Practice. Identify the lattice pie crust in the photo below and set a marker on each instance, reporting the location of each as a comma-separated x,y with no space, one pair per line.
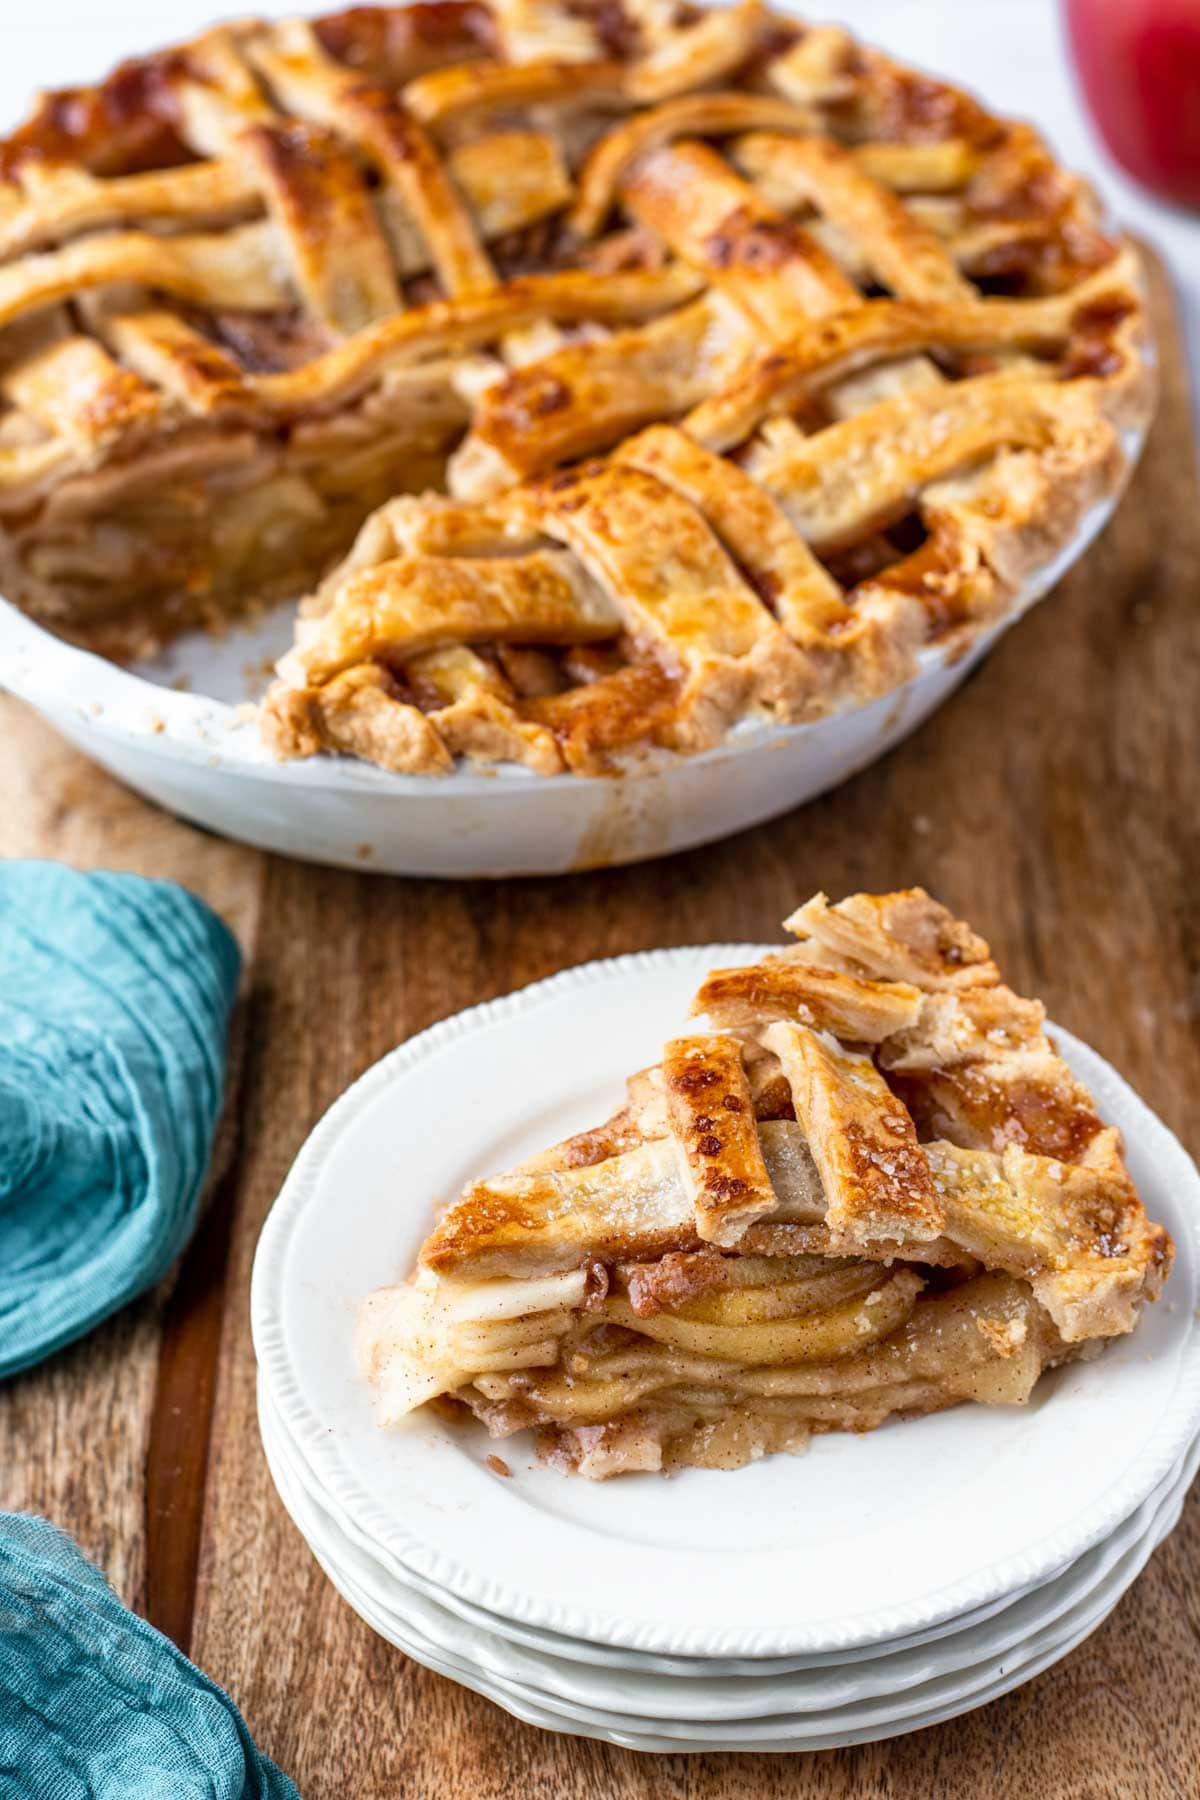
747,364
871,1187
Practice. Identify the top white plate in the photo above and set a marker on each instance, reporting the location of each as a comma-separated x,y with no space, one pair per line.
861,1540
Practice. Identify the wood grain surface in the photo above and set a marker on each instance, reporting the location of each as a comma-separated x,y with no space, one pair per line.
1052,802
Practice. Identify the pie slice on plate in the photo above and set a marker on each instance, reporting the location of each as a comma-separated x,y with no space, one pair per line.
869,1186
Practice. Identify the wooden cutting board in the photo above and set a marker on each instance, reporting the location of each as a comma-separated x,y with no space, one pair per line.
1053,802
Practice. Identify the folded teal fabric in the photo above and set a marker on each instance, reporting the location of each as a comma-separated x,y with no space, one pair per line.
97,1705
115,995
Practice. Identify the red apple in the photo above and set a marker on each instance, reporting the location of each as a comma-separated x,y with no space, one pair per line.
1139,64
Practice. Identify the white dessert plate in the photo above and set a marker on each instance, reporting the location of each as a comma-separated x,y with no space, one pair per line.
940,1701
715,1695
177,730
446,1619
862,1540
428,1602
481,1664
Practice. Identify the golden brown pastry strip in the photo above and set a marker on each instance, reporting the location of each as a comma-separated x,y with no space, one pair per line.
710,1114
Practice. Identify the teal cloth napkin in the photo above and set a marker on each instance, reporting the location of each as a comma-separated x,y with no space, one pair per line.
97,1705
115,995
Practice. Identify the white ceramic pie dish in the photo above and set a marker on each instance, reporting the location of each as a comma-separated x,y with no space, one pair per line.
177,731
975,1666
875,1549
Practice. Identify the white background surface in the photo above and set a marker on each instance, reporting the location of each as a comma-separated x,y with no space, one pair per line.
1011,51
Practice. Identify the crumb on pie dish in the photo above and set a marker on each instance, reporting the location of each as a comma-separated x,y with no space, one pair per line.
871,1187
606,373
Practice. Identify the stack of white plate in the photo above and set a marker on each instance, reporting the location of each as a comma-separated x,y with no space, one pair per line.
870,1587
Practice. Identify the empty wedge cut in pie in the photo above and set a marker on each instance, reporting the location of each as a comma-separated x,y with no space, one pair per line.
705,365
869,1186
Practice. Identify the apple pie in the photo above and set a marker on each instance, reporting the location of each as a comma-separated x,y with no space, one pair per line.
868,1186
680,366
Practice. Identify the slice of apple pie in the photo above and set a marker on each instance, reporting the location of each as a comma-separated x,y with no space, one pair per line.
872,1186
